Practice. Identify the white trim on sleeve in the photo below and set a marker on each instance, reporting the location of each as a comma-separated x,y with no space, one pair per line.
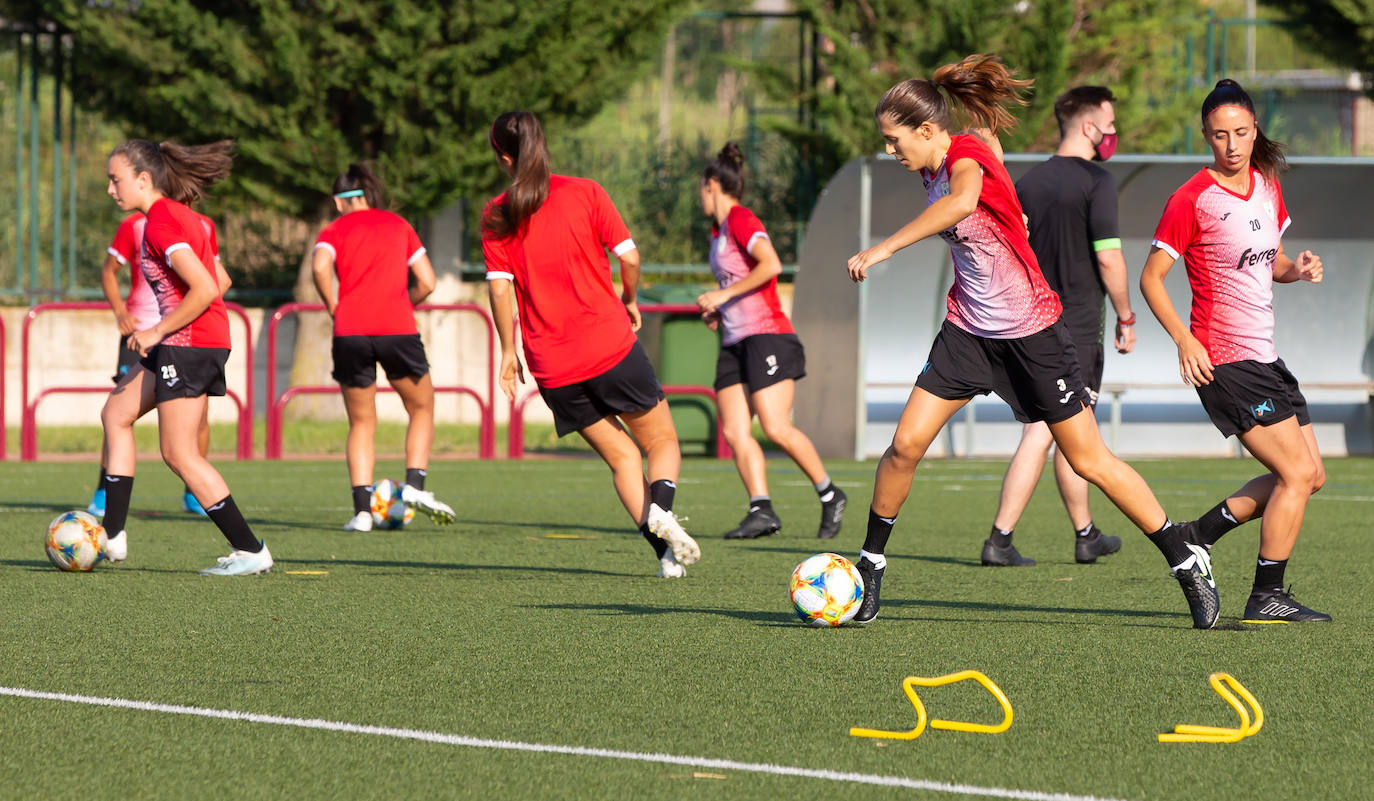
624,247
118,256
334,254
1285,225
749,248
175,248
414,257
498,275
1166,248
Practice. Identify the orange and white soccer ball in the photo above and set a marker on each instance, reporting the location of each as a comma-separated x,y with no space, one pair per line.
75,541
826,590
388,511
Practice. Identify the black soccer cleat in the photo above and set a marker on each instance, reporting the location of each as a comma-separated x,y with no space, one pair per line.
993,556
1087,549
832,515
1200,589
1278,606
873,579
757,523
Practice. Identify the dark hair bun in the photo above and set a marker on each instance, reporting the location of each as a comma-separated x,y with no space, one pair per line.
732,155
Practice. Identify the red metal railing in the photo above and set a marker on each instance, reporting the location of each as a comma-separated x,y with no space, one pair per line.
276,405
28,433
515,431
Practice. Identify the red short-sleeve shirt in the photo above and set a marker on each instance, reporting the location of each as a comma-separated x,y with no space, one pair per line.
373,250
171,227
573,325
756,312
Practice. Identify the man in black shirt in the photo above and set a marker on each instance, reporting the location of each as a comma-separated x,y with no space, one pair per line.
1071,206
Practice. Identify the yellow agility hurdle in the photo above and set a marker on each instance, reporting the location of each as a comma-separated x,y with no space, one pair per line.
1223,683
910,684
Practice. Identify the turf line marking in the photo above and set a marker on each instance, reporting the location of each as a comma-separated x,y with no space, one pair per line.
570,750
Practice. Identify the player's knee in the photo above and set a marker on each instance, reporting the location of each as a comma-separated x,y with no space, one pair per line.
907,448
737,435
777,430
1318,479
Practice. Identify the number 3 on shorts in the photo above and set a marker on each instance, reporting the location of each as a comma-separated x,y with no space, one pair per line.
169,371
1062,386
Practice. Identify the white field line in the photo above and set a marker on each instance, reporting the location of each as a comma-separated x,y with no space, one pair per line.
570,750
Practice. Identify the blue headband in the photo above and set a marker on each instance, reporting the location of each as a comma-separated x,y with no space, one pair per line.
351,193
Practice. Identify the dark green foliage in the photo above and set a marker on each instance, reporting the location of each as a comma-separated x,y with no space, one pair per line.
1344,29
306,86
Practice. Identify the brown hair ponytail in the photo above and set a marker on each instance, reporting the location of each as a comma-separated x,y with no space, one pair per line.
359,177
180,172
1267,155
979,88
728,170
518,136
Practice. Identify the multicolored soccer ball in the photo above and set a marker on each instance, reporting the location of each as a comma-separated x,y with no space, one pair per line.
75,541
388,511
826,590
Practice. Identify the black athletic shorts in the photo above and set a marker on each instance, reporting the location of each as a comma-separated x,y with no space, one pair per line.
356,357
186,372
1038,375
1091,361
760,361
1249,393
629,386
127,358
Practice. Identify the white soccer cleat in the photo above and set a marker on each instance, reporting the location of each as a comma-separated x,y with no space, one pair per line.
241,563
117,547
362,521
665,525
424,501
669,567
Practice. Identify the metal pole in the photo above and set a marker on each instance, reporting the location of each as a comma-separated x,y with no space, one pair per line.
19,162
33,164
865,242
56,164
71,177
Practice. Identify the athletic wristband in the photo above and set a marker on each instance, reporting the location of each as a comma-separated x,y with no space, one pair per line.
1126,321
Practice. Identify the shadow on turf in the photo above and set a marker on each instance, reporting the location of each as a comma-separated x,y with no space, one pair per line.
817,546
640,609
626,530
580,571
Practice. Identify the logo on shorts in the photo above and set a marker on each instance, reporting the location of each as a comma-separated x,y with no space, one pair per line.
1259,410
772,363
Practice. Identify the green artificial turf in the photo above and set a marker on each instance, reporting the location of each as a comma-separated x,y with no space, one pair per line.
537,619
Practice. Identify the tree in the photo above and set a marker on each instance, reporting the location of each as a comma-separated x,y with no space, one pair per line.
1342,29
306,86
1133,46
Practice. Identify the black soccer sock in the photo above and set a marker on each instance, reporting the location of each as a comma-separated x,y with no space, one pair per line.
1269,574
761,503
999,537
229,519
1216,522
100,482
415,477
660,547
826,491
118,491
1087,531
362,499
661,494
1171,544
879,529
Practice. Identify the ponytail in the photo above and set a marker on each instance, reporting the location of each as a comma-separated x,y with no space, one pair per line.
518,136
1267,155
361,179
979,88
179,172
727,170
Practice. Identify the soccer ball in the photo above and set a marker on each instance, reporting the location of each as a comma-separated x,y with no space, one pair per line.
388,511
826,590
75,541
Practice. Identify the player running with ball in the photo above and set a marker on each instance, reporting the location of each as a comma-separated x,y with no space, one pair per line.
1003,331
1226,223
374,253
184,353
547,235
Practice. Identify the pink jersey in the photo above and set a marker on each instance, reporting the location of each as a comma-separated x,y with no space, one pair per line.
755,312
128,241
172,227
1229,244
999,291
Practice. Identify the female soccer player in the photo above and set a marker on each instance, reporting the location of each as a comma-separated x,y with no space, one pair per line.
1003,332
1226,222
760,355
139,310
548,235
184,353
374,253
